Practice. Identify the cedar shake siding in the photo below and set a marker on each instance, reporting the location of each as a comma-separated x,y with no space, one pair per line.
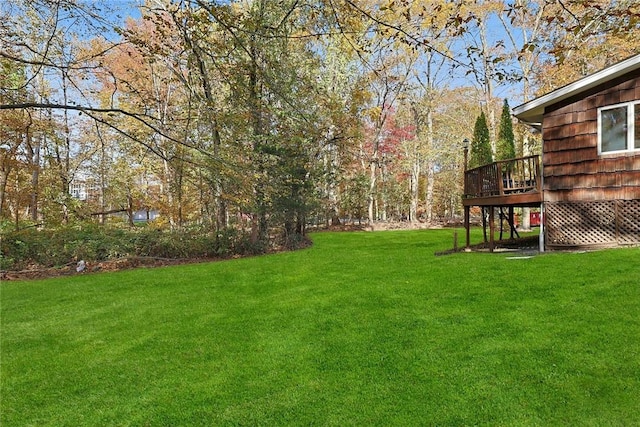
590,199
572,168
590,193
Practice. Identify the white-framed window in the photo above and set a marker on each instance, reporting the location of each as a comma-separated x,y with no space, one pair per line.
78,190
619,128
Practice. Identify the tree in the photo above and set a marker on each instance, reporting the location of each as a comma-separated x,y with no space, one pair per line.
432,81
389,74
480,145
585,36
455,120
275,110
505,146
484,57
13,126
342,84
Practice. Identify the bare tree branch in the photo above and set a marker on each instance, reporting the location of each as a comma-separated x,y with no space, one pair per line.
91,112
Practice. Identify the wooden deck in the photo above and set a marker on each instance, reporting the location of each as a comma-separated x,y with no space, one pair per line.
514,182
504,184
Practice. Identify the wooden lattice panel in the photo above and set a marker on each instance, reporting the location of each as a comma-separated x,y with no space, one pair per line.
628,220
580,223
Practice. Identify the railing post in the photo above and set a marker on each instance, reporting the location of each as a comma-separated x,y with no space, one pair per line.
538,170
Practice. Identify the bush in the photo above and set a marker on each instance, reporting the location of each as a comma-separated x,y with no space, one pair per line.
94,243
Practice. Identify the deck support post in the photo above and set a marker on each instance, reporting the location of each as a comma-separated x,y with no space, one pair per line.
511,222
484,224
467,225
491,228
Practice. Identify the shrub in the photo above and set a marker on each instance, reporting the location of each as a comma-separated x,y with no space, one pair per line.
93,243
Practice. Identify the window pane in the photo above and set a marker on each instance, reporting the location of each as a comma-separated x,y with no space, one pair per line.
637,127
614,129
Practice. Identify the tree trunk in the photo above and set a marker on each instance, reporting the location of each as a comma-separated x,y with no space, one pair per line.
430,166
130,208
414,186
330,165
33,157
5,170
373,176
221,205
488,86
416,170
168,193
258,132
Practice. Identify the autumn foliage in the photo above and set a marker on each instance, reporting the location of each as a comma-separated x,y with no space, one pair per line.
269,117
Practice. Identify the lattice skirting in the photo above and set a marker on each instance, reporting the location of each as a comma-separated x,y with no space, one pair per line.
594,223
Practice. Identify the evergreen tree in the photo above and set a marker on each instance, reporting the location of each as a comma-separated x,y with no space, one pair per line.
505,147
481,145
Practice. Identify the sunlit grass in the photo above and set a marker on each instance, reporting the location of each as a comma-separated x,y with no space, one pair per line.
360,329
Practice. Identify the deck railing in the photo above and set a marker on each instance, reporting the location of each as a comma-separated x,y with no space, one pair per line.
503,178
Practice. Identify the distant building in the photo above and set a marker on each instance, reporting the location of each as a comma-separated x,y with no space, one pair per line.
144,215
84,188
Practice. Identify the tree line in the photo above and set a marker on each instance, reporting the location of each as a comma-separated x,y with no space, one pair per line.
266,116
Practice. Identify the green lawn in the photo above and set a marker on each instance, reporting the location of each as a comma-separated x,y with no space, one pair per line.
360,329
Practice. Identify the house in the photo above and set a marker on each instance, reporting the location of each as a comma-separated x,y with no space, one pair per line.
84,188
587,183
136,202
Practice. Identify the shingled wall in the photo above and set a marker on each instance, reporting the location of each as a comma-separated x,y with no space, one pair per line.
590,199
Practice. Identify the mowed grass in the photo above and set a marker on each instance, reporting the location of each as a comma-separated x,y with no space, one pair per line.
360,329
